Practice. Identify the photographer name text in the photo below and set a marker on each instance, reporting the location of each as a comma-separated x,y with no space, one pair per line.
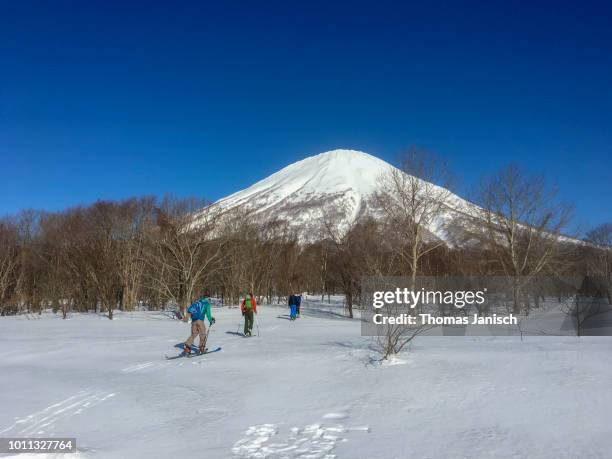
428,319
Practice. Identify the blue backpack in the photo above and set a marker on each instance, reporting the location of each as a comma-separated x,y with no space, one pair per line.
196,310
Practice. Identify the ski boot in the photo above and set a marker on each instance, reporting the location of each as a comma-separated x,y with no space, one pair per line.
202,349
187,350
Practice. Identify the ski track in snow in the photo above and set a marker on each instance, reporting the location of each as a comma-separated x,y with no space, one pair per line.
138,367
42,422
151,365
313,441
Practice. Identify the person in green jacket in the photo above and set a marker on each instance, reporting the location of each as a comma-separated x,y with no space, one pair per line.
198,310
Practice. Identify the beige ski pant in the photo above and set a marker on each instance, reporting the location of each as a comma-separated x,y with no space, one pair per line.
197,328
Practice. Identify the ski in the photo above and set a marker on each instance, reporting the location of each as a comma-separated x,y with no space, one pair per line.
182,354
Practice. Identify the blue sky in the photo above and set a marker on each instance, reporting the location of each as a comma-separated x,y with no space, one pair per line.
109,100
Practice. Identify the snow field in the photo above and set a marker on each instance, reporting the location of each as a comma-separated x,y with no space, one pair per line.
304,389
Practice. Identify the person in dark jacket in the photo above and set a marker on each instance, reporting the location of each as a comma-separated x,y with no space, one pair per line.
298,304
292,306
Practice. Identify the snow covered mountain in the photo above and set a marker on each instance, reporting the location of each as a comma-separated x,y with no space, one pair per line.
331,186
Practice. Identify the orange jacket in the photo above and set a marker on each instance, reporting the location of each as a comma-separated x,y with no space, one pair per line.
252,301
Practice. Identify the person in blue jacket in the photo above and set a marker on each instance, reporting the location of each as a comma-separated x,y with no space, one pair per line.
198,310
293,301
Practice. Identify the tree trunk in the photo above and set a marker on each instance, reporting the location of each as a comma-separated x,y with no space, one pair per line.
349,303
516,302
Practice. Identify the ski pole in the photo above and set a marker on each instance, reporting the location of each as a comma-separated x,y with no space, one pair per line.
207,332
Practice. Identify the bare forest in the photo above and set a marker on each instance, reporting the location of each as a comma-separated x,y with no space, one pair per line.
147,253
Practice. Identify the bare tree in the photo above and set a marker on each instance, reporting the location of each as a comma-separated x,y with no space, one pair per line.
28,291
342,258
588,304
134,222
186,250
602,235
9,261
523,224
412,201
395,337
101,250
600,254
397,324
